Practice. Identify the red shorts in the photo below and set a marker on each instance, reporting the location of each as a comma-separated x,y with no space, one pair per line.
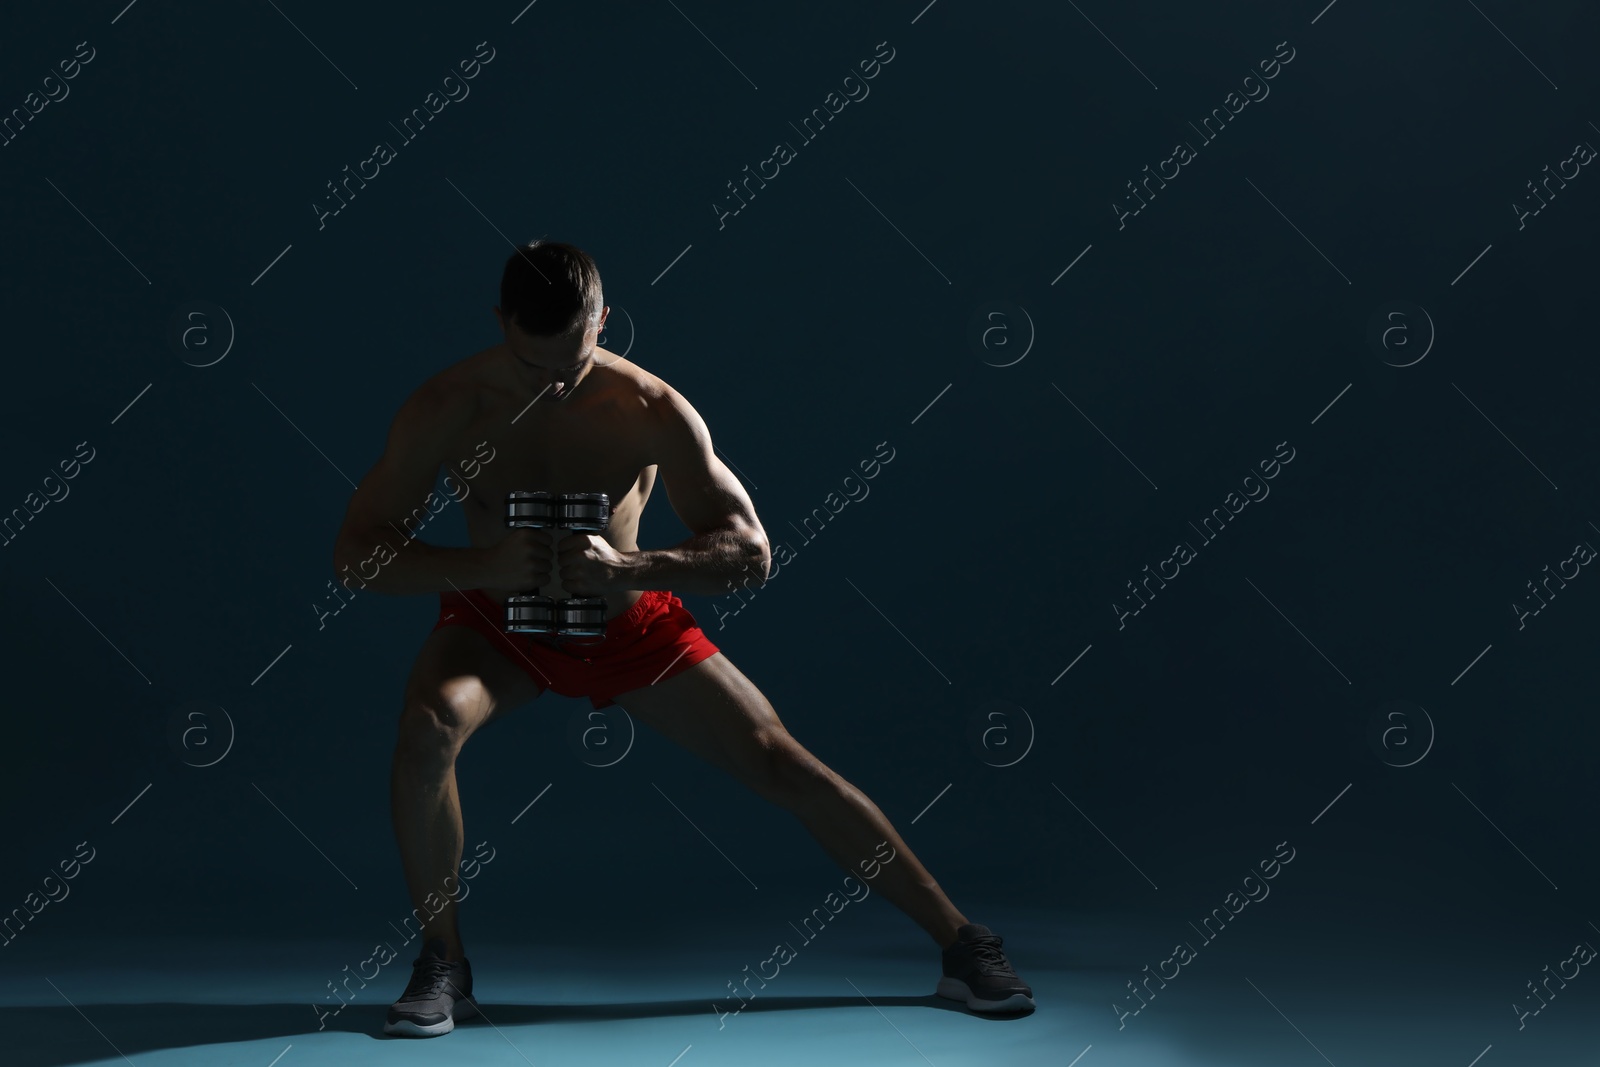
653,640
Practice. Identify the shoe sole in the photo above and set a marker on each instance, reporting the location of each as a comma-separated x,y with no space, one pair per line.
466,1009
956,989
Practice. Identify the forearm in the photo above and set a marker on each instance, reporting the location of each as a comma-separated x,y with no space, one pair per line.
709,563
401,566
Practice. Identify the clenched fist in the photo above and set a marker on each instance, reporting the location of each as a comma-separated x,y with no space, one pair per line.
590,565
523,560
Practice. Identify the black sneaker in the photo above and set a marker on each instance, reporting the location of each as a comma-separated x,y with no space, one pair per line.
440,992
977,972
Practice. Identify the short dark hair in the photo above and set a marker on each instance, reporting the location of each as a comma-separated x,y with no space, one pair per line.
549,287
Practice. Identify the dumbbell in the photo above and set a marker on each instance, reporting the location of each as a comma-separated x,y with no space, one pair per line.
573,616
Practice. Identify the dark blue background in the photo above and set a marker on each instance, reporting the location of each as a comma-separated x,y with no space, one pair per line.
808,329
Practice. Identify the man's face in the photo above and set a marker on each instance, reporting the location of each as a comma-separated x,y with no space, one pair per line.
552,367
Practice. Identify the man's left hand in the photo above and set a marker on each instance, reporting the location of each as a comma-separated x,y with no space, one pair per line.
590,565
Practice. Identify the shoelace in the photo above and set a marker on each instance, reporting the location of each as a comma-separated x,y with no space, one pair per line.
986,952
430,976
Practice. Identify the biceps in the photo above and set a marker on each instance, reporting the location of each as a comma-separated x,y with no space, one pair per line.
708,497
391,496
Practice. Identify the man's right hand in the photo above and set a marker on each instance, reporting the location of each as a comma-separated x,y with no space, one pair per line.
523,560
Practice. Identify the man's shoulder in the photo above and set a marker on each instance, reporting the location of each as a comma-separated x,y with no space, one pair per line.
468,374
636,391
453,396
669,422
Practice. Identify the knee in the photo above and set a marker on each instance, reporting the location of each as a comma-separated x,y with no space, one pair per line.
790,776
438,716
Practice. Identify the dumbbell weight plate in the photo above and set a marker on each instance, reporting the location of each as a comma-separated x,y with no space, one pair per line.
581,616
582,511
530,613
535,509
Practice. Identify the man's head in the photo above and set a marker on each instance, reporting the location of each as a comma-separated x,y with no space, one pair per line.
551,311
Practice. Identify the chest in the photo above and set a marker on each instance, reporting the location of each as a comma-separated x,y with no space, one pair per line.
599,453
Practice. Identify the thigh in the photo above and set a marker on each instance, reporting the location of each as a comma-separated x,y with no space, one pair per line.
461,678
717,713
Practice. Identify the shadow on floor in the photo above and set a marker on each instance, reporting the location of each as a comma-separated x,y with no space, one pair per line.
59,1036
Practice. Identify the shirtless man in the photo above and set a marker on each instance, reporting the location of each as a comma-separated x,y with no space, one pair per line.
560,414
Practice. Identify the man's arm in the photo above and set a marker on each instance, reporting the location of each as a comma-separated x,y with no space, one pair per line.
729,545
377,541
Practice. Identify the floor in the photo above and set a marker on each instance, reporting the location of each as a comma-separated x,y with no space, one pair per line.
858,995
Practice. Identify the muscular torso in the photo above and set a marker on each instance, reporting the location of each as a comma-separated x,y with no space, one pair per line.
595,441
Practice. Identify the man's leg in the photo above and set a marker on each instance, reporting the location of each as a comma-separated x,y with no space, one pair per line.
458,683
714,711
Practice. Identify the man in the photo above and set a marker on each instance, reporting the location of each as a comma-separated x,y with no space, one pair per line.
557,413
